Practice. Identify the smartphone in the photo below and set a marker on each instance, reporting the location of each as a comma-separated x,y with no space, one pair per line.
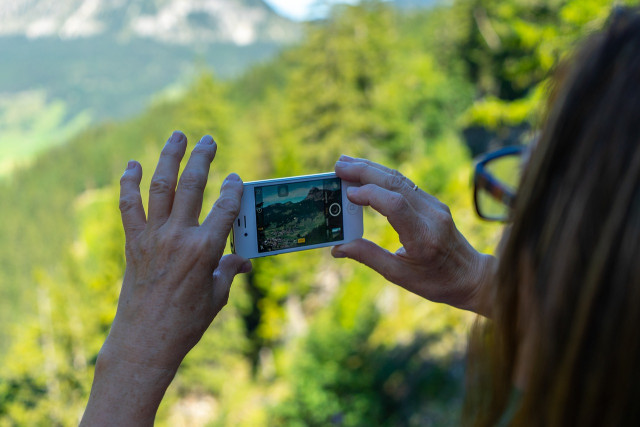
294,214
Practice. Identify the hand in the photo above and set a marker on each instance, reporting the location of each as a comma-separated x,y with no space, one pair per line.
435,261
175,282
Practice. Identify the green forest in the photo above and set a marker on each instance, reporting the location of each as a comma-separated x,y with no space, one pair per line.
306,339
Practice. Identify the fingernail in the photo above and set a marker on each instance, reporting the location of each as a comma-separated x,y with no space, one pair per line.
338,254
352,191
340,164
131,164
207,140
176,137
346,158
233,177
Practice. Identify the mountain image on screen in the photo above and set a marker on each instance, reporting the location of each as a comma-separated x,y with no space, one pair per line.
301,223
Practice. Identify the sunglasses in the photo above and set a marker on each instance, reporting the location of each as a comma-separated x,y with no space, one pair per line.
495,182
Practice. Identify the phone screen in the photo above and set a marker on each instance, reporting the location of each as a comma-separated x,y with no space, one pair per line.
297,214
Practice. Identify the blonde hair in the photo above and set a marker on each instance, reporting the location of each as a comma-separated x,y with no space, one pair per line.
573,255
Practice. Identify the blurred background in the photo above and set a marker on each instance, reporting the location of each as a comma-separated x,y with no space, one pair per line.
419,85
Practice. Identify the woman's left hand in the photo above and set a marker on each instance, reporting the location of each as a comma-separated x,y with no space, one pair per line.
435,260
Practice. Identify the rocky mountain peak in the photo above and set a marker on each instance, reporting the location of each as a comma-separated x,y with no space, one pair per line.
181,22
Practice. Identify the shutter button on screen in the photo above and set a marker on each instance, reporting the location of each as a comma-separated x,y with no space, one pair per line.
335,209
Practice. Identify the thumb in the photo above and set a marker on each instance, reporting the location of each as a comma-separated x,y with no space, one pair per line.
228,268
368,253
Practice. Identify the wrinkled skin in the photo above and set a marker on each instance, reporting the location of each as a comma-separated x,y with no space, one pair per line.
176,281
435,260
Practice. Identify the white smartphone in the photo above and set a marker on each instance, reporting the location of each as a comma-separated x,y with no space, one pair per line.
294,214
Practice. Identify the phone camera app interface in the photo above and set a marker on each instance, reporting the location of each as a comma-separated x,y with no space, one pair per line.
298,214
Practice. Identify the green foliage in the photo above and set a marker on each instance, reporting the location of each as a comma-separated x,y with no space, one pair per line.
30,124
306,339
341,375
512,47
47,378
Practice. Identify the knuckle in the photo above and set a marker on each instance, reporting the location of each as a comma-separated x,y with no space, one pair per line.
397,203
161,186
193,181
125,178
135,252
359,169
128,203
445,210
171,238
442,217
394,181
201,247
365,168
396,172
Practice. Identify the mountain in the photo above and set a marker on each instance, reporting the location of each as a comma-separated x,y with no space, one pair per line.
69,63
315,195
176,22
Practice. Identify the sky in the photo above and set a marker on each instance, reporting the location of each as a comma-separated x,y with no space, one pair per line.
301,10
297,192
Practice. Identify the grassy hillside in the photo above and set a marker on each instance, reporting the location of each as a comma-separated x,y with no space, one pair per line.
31,124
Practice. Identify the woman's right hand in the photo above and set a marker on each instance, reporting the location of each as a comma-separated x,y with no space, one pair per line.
435,261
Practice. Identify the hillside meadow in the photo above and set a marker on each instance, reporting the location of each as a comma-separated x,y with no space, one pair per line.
306,339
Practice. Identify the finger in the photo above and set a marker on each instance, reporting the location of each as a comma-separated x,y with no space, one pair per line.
225,210
394,206
420,198
165,177
131,209
188,200
367,172
348,159
228,268
371,255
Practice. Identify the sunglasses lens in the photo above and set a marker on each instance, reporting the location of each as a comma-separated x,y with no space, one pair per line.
489,207
506,170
